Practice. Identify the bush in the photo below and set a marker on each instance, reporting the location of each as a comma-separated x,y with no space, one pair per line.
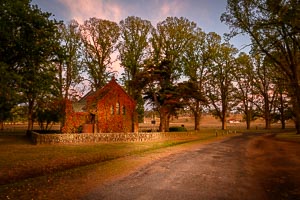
177,129
47,131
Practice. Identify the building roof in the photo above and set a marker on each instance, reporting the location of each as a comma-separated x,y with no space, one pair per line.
99,94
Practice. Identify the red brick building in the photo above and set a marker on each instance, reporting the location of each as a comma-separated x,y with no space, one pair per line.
108,109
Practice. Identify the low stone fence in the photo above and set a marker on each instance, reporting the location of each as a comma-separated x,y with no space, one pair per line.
37,138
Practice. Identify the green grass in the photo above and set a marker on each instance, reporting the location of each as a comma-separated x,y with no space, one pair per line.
30,172
20,160
290,136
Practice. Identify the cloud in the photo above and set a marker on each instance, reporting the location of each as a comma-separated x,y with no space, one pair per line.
84,9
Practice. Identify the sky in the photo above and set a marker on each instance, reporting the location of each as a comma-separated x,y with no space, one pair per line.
205,13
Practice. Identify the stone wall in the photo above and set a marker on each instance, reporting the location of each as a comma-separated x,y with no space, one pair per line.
37,138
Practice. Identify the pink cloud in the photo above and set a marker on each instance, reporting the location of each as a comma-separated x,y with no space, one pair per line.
85,9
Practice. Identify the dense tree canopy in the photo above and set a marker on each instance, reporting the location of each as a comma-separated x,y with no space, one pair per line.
30,41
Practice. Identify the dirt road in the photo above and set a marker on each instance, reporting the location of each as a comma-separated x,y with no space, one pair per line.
243,167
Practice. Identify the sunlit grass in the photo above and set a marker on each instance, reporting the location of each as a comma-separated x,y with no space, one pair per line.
71,170
61,168
20,159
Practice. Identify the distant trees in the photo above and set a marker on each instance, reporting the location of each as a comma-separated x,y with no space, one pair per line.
274,30
244,78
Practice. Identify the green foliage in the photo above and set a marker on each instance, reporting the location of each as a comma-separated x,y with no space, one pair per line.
46,117
29,42
99,38
134,50
273,27
177,129
69,58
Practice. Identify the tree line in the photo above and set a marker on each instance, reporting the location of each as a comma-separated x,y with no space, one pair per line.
171,66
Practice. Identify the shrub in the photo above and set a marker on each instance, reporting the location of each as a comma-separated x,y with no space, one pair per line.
177,129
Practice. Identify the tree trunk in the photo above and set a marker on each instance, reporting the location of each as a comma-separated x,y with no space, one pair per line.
267,122
282,124
248,123
167,126
224,124
197,116
162,122
248,118
223,118
30,115
296,106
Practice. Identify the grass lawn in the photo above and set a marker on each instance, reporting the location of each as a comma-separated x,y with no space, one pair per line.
28,171
69,171
290,136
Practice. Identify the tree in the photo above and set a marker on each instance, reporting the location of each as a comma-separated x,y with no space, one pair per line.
274,29
244,78
68,63
134,50
283,110
48,112
162,95
196,61
99,38
33,43
191,95
10,55
220,88
169,42
265,89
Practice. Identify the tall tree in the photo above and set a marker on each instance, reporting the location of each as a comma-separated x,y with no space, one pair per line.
161,93
244,78
220,88
68,63
134,50
274,29
34,43
169,41
196,61
10,55
282,102
99,38
265,89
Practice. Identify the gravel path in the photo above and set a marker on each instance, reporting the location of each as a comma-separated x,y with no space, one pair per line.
242,167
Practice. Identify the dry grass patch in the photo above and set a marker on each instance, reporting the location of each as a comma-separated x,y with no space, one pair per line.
20,160
69,171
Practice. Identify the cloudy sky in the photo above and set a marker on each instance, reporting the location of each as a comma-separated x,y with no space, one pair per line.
206,13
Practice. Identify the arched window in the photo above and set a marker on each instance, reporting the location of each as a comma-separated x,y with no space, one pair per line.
112,110
124,110
118,108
